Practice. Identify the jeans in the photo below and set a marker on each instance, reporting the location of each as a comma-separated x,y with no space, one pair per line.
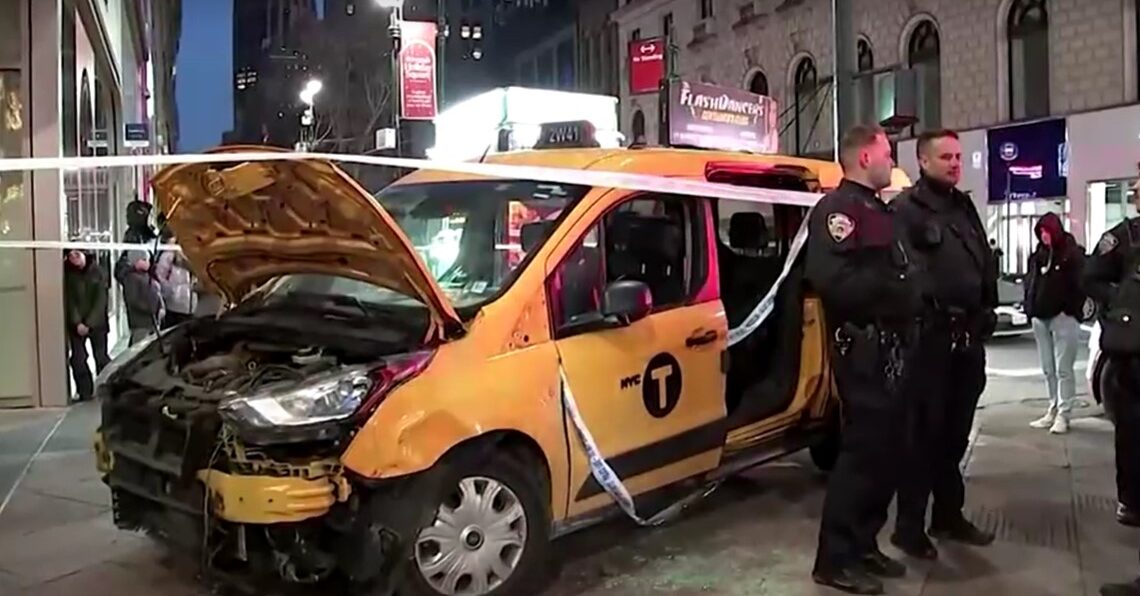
1057,342
77,346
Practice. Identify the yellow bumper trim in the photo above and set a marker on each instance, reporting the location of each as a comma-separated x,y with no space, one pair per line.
270,500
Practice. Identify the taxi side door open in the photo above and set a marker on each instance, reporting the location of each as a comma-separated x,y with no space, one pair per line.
651,391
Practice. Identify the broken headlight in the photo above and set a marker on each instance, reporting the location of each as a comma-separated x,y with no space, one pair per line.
328,397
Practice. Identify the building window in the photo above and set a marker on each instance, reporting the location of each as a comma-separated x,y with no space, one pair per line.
866,58
1028,29
706,9
924,55
639,127
758,84
805,92
865,82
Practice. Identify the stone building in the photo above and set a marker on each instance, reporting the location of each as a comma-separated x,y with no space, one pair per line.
971,65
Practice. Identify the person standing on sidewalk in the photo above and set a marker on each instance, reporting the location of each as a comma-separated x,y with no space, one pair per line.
1112,279
859,263
177,283
961,295
85,304
1054,301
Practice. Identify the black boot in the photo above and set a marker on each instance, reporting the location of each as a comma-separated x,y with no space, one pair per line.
916,545
962,531
852,580
878,564
1131,588
1127,516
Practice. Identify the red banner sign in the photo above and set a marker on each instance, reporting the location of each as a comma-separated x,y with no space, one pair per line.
646,65
418,100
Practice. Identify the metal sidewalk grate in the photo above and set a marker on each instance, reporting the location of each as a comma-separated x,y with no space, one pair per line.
1045,527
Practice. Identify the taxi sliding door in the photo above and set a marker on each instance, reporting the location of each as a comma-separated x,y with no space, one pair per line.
651,392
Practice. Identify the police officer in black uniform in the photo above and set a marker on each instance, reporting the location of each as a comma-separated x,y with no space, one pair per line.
1112,279
859,264
961,292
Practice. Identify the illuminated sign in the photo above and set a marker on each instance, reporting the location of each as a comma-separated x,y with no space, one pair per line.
566,135
1028,161
713,117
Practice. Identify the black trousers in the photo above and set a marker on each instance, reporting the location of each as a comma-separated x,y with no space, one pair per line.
1123,390
174,318
77,359
942,398
861,485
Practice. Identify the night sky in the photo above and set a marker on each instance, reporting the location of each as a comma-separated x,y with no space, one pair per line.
205,73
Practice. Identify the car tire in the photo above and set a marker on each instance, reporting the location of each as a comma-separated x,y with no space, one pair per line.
516,481
825,452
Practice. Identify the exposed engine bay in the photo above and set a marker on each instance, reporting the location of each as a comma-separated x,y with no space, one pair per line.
166,452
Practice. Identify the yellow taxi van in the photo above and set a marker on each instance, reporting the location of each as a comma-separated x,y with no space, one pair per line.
381,403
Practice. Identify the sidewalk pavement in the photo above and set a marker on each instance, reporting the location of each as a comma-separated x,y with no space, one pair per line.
1050,500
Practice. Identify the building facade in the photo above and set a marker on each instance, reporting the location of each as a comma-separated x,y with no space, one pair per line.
971,65
74,76
271,61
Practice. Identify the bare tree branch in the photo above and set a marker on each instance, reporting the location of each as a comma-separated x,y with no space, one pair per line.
357,86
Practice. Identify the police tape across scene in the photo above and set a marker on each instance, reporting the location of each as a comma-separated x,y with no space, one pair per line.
602,472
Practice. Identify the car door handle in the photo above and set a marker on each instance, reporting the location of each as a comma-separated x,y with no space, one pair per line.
700,339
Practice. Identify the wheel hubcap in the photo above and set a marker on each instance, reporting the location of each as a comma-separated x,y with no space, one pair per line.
475,541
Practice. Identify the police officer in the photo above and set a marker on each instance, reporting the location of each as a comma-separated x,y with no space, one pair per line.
961,295
859,264
1112,279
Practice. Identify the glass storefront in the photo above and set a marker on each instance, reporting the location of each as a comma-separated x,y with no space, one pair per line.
1110,201
16,295
1011,225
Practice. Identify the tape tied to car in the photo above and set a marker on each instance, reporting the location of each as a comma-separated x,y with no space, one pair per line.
604,474
601,179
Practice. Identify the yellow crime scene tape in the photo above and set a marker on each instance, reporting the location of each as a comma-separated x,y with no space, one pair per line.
600,469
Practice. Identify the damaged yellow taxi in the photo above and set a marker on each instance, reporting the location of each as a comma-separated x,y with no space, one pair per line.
380,405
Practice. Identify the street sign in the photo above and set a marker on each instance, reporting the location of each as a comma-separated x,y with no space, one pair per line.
385,138
136,135
99,139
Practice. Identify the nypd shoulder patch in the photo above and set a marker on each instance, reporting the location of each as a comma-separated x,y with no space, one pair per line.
1106,244
840,226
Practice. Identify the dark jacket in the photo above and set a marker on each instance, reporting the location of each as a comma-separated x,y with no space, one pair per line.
142,295
1053,285
84,296
858,260
960,275
139,231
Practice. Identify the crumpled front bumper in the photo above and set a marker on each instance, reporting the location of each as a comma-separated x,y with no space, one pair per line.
247,499
289,494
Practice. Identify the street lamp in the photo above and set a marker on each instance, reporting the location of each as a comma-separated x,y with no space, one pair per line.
309,93
308,118
397,8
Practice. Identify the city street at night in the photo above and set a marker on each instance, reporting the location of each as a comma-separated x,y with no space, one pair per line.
569,297
1050,500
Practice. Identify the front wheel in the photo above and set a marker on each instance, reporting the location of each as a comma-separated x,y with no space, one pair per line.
490,533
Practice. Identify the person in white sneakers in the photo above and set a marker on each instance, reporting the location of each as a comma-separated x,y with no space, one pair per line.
1054,300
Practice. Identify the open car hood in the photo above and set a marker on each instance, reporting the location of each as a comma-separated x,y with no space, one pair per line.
241,224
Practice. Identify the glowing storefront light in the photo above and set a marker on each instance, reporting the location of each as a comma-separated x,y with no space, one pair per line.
472,127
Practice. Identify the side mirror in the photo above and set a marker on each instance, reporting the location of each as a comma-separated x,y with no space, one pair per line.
627,301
